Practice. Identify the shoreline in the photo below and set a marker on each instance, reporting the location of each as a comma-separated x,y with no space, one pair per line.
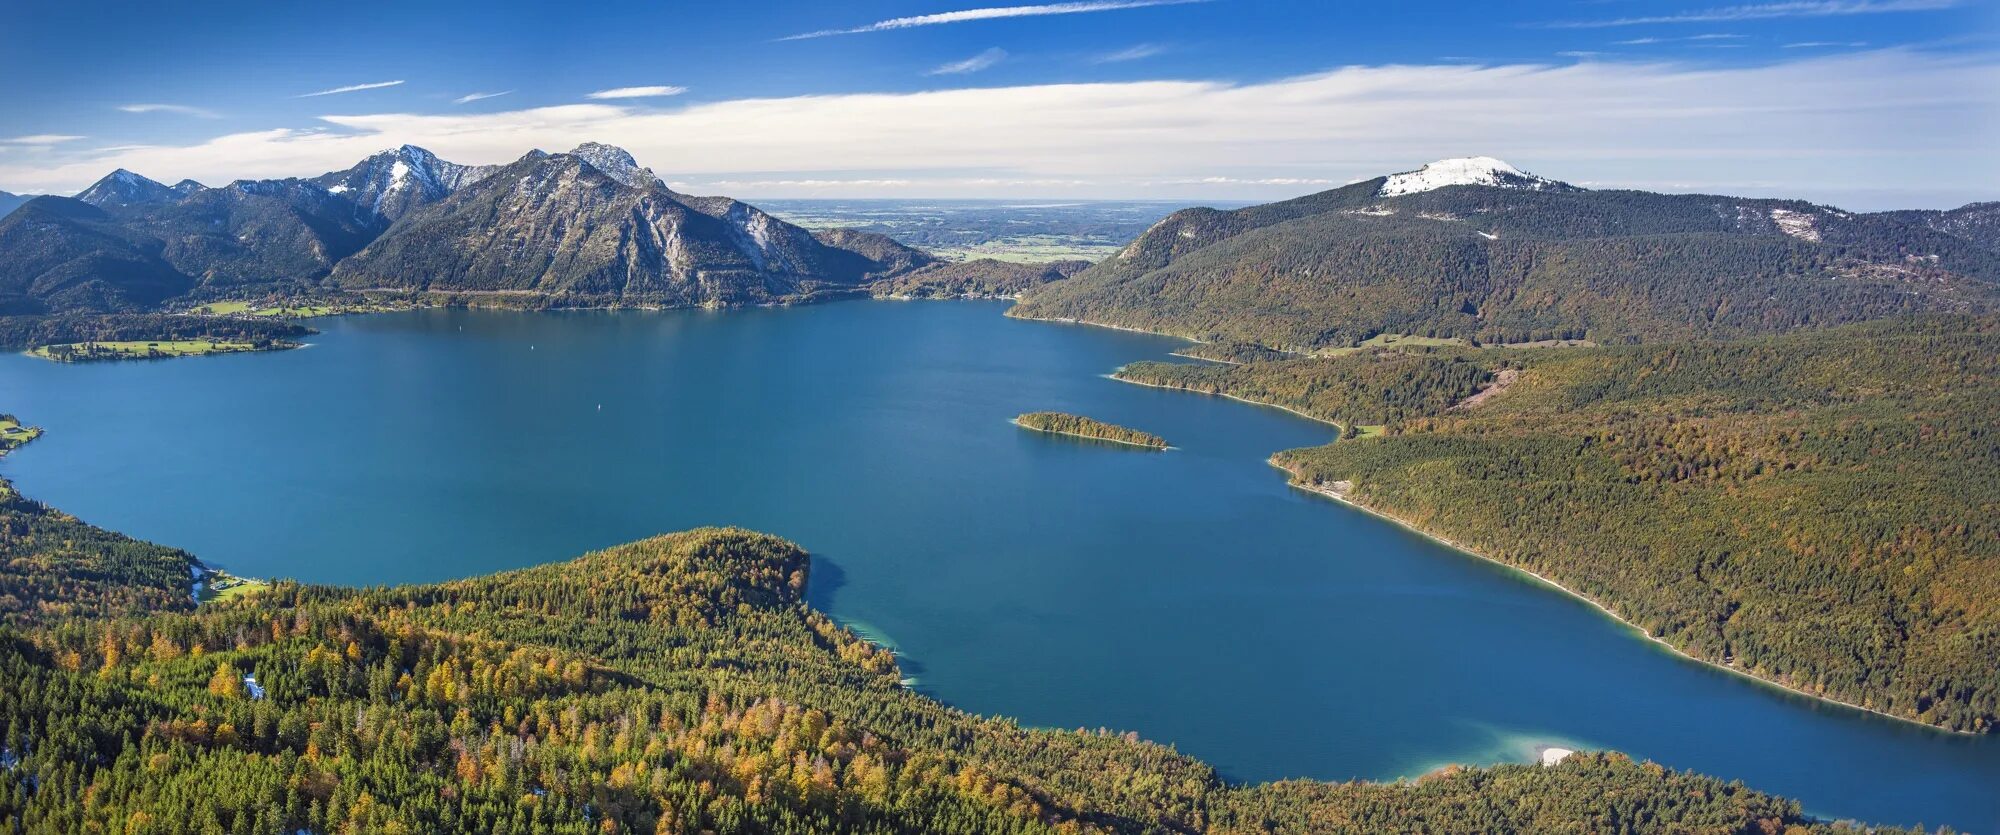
1314,418
1147,447
1331,493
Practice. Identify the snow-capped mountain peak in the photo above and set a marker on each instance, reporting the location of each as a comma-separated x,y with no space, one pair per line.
124,188
1467,171
614,162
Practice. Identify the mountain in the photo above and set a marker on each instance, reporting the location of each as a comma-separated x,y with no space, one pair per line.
9,202
1477,249
123,189
616,163
558,225
62,254
257,232
1467,171
586,227
391,183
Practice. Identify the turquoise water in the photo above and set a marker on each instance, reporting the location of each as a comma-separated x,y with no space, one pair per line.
1187,595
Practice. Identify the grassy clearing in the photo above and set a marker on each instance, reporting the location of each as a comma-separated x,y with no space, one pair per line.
13,434
137,349
220,585
290,311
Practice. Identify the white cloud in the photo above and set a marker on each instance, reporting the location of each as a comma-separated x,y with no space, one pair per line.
1136,52
1824,44
994,13
468,98
1707,37
351,88
637,92
1767,11
177,109
973,64
1827,128
41,139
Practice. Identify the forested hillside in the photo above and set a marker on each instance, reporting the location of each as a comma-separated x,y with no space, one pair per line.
1499,264
678,684
1816,509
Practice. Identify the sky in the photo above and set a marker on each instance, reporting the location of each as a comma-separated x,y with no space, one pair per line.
1865,104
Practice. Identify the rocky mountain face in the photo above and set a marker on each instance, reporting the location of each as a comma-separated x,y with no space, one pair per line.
391,183
585,227
559,225
1478,249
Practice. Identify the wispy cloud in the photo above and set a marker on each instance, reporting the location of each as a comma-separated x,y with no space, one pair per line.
637,92
43,139
351,88
1137,52
1713,36
992,13
973,64
469,98
1767,11
1825,44
177,109
1869,129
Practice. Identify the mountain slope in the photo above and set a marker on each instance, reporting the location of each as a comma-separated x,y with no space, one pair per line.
557,225
60,254
1488,253
9,202
256,232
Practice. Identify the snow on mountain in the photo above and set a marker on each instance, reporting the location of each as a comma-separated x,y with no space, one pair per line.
615,162
123,188
1467,171
392,182
1799,225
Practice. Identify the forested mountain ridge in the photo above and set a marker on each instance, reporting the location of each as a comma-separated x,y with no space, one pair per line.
677,684
573,233
1506,263
1686,487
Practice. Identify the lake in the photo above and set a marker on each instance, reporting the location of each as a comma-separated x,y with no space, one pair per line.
1188,595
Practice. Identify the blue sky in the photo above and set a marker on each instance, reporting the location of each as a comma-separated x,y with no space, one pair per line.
1867,103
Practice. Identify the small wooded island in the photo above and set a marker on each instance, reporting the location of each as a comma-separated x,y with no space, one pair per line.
1062,423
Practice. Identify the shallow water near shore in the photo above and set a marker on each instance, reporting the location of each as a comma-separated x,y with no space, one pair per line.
1191,596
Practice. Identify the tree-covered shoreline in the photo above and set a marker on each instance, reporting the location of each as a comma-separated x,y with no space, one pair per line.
1681,486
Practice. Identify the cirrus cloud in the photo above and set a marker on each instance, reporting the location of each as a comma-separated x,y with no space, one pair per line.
654,91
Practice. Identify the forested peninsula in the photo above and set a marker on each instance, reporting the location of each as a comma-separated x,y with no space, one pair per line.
678,684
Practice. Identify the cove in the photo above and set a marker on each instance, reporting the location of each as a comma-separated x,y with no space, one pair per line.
1188,595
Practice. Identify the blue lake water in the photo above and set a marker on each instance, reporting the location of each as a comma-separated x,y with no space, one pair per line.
1188,595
